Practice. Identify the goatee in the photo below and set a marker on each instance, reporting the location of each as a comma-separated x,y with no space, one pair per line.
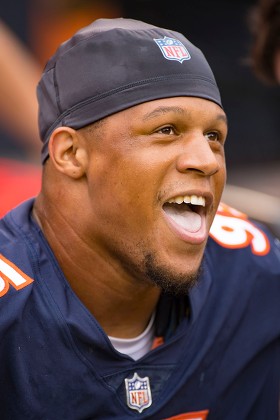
176,285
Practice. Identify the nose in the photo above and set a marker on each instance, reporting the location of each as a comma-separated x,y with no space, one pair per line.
197,155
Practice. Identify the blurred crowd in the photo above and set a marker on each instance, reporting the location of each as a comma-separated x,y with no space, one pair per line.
29,34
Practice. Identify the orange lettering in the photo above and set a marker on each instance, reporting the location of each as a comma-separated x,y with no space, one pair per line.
10,274
232,229
195,415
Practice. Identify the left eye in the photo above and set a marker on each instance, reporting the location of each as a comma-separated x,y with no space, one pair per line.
213,136
166,130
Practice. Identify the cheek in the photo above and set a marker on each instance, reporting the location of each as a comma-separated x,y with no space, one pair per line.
219,180
221,175
119,191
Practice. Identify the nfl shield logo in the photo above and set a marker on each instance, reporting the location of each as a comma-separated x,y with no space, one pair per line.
138,392
173,49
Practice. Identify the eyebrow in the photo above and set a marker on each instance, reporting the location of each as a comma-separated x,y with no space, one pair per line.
166,109
163,110
222,117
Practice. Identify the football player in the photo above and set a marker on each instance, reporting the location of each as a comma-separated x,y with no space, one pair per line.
120,297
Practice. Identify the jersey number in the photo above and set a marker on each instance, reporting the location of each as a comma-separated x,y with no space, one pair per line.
232,229
197,415
11,274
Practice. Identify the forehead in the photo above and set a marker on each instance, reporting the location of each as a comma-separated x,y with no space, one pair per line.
181,107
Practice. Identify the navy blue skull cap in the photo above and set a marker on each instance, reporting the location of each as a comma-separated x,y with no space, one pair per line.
114,64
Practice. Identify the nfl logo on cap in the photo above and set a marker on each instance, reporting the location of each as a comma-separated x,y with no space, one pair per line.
173,49
138,392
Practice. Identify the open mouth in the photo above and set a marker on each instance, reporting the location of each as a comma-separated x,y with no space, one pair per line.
186,212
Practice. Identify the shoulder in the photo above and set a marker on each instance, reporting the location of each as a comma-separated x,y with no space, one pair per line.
232,229
241,247
243,262
17,253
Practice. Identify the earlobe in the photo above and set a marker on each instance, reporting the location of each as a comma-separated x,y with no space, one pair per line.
66,152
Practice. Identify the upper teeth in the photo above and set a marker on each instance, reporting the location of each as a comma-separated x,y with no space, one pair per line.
189,199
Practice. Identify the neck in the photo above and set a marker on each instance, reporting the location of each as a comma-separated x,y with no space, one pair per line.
121,304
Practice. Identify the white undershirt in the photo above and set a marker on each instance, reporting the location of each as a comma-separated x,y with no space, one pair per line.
138,346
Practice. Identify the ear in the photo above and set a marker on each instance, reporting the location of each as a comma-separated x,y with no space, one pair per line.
67,152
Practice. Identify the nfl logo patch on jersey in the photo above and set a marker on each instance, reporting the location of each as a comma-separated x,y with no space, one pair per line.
173,49
138,392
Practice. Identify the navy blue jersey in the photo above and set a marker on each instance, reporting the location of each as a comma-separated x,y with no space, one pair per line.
219,357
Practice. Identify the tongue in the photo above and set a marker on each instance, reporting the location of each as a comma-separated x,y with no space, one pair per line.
187,219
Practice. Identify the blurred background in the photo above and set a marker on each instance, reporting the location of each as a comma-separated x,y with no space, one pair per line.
219,28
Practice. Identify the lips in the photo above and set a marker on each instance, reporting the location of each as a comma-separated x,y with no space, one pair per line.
186,217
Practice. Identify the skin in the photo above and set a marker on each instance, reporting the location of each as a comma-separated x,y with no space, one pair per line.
101,205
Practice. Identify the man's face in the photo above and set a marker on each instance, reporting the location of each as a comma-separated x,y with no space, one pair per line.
155,177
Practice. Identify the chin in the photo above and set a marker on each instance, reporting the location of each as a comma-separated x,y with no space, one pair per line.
169,281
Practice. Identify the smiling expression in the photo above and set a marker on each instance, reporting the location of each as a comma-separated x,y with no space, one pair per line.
155,176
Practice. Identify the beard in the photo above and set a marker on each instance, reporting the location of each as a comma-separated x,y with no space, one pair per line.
144,267
172,284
